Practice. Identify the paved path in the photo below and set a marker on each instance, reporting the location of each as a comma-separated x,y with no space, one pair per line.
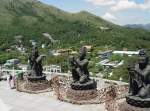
18,101
3,106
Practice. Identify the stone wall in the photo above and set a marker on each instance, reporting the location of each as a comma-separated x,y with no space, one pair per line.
61,84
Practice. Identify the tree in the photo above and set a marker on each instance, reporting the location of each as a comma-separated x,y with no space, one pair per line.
116,57
122,71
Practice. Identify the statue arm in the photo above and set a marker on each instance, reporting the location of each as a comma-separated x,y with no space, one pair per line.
139,79
147,77
82,63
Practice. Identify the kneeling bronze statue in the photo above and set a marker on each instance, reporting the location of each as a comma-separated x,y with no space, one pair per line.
80,73
139,89
35,68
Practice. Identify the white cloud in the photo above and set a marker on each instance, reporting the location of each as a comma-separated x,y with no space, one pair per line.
102,2
127,4
123,5
145,5
119,5
109,16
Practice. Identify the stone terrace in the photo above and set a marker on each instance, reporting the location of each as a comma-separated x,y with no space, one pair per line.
18,101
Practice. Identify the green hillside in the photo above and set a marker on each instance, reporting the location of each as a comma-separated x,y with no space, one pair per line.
31,18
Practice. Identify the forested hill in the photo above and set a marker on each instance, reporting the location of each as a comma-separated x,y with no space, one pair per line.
30,18
139,26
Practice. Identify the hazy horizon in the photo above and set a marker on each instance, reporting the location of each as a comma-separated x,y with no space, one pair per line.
120,12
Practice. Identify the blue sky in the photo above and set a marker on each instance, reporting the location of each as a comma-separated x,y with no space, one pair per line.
117,11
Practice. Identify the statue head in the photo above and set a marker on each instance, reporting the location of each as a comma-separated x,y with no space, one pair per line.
34,47
82,52
143,59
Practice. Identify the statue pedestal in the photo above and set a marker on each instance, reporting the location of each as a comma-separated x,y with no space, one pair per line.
33,87
79,95
37,86
36,78
90,85
138,102
127,107
34,84
82,91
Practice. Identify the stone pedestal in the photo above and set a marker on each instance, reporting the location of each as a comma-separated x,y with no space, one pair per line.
79,95
90,85
36,78
33,87
82,91
37,86
138,102
127,107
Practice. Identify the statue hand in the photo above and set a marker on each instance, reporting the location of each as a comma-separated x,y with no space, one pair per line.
74,59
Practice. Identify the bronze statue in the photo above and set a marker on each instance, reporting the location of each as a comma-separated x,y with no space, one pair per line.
35,63
139,75
79,67
80,73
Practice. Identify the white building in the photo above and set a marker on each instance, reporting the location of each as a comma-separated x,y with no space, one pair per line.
52,69
33,42
43,46
129,53
21,49
11,62
23,67
114,64
104,28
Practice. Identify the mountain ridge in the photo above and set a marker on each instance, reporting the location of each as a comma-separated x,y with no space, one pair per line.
140,26
32,18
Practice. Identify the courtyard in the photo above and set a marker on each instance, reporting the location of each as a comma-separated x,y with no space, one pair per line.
12,100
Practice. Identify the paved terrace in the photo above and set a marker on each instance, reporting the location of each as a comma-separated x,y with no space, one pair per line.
11,100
